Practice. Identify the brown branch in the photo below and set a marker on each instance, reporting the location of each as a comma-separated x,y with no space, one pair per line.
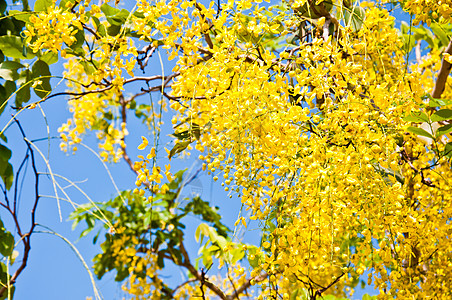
208,53
166,79
25,237
126,157
91,31
232,282
147,52
77,95
443,74
147,79
319,292
181,285
206,33
246,285
187,264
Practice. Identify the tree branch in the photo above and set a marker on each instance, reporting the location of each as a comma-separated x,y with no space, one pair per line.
186,263
246,285
443,74
25,237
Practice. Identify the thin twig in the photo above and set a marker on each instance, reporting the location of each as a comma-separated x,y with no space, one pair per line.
25,237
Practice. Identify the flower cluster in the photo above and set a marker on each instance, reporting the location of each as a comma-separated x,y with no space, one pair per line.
310,136
428,10
51,28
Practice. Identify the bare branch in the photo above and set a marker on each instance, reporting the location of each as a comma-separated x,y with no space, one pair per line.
443,74
25,237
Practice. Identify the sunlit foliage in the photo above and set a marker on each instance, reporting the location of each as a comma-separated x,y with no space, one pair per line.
329,121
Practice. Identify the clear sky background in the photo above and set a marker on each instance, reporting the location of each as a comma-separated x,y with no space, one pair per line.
54,272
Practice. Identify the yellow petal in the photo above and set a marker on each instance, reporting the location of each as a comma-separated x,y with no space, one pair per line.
143,144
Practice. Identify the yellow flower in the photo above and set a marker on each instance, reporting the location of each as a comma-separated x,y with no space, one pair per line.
143,144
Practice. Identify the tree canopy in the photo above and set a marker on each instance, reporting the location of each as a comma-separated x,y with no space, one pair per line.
328,121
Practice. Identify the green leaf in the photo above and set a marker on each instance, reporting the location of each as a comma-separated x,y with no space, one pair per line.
101,30
187,134
114,16
11,65
408,42
179,147
215,238
404,27
448,150
109,10
208,213
64,6
3,6
3,98
425,34
438,102
5,154
6,241
6,244
183,135
13,47
7,174
354,17
312,11
441,115
417,117
88,68
8,74
42,5
85,232
77,52
202,231
23,93
118,19
160,261
113,30
23,16
237,255
96,236
444,130
40,71
253,256
387,173
80,39
8,70
49,57
5,92
440,34
10,87
139,14
420,131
